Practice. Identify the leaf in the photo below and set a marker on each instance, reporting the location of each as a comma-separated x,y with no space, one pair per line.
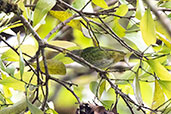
147,28
100,3
11,55
93,87
107,103
64,15
44,29
164,39
136,38
102,88
79,4
139,9
33,108
166,4
51,111
41,10
54,67
159,69
159,97
3,29
7,92
137,90
2,66
62,44
11,82
26,77
166,87
21,64
81,40
10,70
162,31
121,11
118,29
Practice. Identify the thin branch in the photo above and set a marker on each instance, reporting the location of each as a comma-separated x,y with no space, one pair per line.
47,78
59,26
61,83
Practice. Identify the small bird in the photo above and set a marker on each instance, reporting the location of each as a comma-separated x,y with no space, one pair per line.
99,56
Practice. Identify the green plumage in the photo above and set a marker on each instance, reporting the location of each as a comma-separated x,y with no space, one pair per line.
100,57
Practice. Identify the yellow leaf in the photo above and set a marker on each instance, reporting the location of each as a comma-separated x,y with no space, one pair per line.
159,97
100,3
166,87
63,44
147,28
159,69
10,55
54,67
26,77
64,15
122,10
139,9
164,39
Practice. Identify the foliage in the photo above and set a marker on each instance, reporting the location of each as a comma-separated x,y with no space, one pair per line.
40,60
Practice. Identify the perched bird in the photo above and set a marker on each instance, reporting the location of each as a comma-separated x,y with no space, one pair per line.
99,57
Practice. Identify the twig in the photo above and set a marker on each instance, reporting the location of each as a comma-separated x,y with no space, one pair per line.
61,83
59,26
47,78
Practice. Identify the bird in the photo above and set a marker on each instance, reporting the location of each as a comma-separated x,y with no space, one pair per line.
100,57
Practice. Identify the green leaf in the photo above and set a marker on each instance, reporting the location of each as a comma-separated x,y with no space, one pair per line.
61,57
159,97
102,88
21,64
10,55
54,67
139,9
10,70
159,69
33,108
166,87
64,15
100,3
44,29
147,28
2,66
79,4
118,29
93,87
107,103
137,90
166,4
51,111
136,38
11,82
41,10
